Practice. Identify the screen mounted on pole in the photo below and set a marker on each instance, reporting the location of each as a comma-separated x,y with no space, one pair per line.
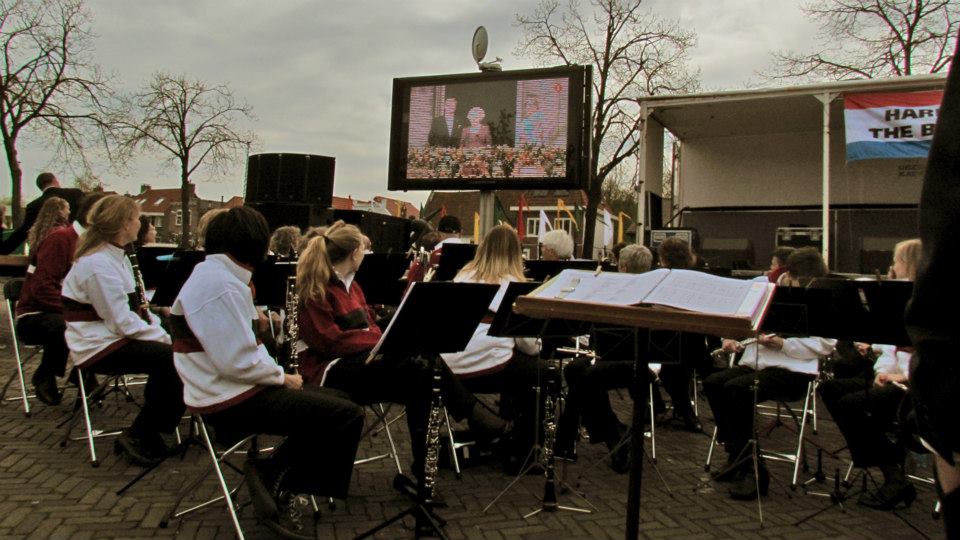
508,130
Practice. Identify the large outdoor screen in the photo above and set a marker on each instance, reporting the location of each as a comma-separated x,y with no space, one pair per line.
519,129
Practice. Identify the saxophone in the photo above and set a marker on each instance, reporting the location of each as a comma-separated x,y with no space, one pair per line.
291,327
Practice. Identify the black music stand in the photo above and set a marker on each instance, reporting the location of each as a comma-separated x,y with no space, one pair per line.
174,275
420,330
153,263
453,257
506,323
380,277
270,281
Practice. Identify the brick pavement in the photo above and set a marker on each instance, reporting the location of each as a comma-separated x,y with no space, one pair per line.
51,492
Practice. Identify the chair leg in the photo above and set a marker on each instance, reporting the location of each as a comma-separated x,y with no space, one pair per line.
19,360
223,483
453,445
816,385
393,445
803,429
86,417
713,444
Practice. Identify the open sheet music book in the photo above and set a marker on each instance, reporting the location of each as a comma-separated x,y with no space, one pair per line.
687,290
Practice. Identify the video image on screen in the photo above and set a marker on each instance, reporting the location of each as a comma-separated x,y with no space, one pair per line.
497,129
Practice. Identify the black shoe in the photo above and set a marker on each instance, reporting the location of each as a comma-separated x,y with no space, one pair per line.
746,488
731,472
292,519
261,494
139,450
689,423
486,427
45,388
620,458
889,495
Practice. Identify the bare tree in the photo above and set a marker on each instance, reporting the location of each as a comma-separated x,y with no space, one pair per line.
49,87
195,124
633,53
874,38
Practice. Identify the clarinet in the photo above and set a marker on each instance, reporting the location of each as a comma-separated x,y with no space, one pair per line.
291,326
140,290
430,462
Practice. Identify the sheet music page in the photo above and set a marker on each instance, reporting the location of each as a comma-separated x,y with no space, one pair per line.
610,288
705,293
386,331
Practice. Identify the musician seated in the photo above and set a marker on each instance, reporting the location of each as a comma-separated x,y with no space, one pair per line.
110,331
39,311
781,368
589,383
682,352
338,328
503,365
231,380
557,245
866,410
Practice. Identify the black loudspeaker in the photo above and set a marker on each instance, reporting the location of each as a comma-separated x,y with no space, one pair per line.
290,178
388,234
733,253
280,214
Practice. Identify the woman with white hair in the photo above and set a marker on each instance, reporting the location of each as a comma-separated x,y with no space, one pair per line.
557,246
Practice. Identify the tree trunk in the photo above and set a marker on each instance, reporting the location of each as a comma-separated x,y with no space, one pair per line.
16,180
594,194
184,208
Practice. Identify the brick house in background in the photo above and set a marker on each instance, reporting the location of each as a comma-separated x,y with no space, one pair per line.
463,204
163,207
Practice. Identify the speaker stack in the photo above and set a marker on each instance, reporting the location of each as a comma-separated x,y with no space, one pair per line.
290,189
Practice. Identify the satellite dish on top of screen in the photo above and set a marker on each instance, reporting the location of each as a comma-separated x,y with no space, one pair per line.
479,50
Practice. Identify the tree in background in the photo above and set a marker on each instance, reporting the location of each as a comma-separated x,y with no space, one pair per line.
633,53
874,38
49,87
193,123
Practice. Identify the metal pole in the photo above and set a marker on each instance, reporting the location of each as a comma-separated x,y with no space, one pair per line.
825,100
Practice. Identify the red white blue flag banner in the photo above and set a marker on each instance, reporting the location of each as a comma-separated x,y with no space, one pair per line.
890,125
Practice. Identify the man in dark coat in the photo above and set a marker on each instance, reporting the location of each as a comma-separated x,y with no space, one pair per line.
50,186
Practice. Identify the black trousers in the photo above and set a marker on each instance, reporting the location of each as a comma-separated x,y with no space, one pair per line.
163,396
46,329
865,414
401,380
588,398
516,383
322,432
730,394
682,353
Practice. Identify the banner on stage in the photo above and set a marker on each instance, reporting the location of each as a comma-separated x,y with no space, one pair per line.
890,125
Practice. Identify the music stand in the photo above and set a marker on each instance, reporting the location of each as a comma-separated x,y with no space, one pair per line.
174,275
380,277
453,257
506,323
420,330
153,261
270,281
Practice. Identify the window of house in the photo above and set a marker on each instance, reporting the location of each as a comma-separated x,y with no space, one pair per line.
179,217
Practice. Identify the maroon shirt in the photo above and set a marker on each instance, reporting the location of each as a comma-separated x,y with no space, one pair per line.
52,260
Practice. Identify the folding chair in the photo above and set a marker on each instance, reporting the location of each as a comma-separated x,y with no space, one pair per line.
112,383
218,459
798,456
11,294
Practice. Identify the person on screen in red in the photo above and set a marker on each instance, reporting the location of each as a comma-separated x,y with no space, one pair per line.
477,134
445,129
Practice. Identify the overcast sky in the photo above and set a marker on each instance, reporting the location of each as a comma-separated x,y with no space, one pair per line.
318,74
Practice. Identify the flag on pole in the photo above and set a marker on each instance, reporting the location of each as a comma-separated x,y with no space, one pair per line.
607,228
544,226
563,208
521,221
621,218
476,227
